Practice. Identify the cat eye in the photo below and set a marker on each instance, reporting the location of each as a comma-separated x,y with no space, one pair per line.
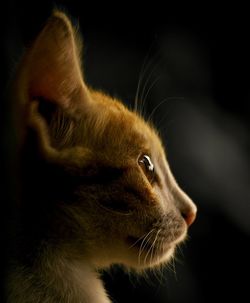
147,166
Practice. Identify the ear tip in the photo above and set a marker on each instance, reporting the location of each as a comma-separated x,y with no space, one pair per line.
58,17
59,14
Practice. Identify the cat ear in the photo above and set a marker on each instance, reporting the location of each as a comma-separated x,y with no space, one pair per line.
49,80
52,68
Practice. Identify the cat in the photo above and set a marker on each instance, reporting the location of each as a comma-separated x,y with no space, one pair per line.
95,186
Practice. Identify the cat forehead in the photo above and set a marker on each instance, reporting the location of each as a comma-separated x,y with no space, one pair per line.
124,128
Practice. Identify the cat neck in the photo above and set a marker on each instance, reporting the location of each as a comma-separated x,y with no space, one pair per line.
48,265
57,279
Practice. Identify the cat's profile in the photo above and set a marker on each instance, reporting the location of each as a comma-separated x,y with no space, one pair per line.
96,188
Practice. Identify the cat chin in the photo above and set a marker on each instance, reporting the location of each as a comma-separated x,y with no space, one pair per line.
150,256
138,254
141,261
151,262
132,264
136,260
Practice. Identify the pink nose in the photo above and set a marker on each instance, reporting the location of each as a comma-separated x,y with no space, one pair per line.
189,217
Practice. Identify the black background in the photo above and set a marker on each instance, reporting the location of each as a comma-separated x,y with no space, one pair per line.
197,59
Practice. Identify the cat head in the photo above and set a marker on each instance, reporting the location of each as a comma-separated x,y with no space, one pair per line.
124,205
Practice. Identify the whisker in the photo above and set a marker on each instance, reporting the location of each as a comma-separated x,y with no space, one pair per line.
174,269
145,67
145,258
145,244
180,251
144,97
137,93
142,244
161,103
143,70
162,268
153,250
159,273
148,249
144,235
155,108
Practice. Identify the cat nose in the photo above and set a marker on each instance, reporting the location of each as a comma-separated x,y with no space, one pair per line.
186,206
189,216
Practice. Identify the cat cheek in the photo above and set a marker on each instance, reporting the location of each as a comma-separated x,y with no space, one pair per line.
162,198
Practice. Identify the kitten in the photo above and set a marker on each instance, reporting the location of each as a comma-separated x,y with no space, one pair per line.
96,188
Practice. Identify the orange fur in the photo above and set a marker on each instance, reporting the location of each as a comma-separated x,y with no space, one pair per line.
87,201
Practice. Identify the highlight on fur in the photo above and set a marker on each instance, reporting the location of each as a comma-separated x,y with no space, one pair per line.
96,188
